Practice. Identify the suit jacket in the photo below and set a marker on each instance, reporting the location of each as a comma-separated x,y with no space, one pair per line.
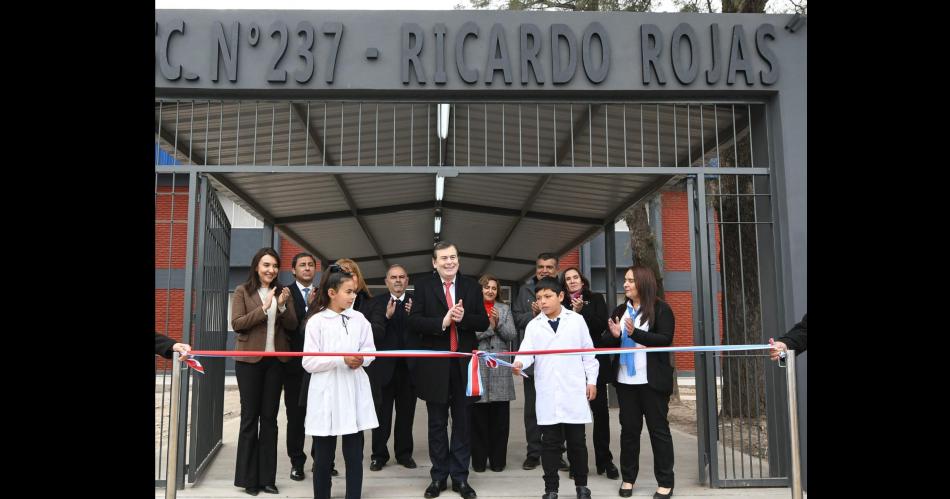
388,334
498,383
797,337
300,310
431,375
163,345
659,334
595,315
250,323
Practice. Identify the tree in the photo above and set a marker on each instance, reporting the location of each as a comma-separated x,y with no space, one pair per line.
643,248
566,5
730,197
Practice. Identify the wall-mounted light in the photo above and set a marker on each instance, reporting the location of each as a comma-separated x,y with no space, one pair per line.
442,119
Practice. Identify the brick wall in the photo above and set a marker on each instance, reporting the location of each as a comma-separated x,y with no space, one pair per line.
169,307
287,251
570,259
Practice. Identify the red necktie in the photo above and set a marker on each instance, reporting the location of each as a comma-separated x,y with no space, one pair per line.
453,338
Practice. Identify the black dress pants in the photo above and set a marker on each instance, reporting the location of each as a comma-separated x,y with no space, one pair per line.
637,402
293,376
259,385
352,456
450,458
490,428
601,413
552,437
398,392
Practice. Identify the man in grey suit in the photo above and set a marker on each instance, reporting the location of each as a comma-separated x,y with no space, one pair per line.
525,308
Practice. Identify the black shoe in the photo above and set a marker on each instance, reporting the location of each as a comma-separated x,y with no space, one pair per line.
549,495
251,490
564,466
376,464
434,488
612,472
296,473
657,495
531,463
465,490
583,492
270,489
480,469
408,463
626,492
498,469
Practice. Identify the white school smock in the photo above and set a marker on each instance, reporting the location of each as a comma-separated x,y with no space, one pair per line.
340,400
560,380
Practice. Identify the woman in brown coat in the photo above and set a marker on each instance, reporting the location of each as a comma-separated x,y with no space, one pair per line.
261,314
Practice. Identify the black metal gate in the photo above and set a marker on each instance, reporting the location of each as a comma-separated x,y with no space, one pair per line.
211,329
741,396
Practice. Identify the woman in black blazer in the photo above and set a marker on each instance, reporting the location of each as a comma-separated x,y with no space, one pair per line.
644,381
592,307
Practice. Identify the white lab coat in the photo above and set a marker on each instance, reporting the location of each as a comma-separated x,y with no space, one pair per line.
340,400
560,380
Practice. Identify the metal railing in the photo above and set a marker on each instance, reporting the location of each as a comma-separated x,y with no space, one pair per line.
365,134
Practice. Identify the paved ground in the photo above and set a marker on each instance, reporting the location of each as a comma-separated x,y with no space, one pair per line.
395,481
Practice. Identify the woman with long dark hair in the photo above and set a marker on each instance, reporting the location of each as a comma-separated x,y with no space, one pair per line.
592,307
262,313
644,381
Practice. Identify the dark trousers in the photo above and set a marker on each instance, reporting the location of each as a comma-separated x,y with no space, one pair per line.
637,402
552,437
353,457
532,431
398,392
452,460
598,408
296,413
259,385
490,427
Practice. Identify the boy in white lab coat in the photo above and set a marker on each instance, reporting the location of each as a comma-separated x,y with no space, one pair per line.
565,384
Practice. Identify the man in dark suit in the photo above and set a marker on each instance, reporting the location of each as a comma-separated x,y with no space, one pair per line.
389,376
303,292
446,312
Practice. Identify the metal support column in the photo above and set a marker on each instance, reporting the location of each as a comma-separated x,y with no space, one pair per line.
610,264
267,238
610,267
793,425
173,477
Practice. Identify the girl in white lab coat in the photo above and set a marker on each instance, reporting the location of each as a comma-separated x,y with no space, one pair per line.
339,401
